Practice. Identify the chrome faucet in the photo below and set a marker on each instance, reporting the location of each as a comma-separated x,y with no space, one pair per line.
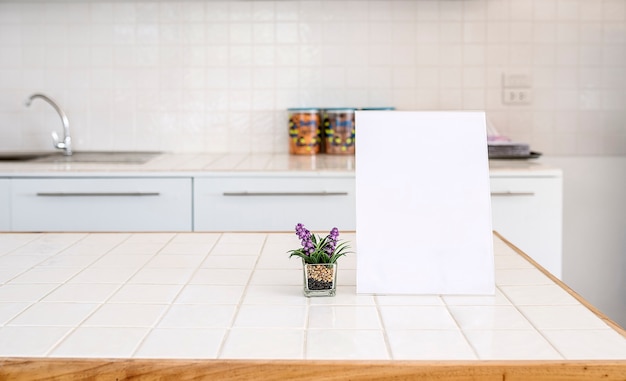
66,144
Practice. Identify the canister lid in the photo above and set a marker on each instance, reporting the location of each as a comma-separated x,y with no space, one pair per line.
303,109
340,109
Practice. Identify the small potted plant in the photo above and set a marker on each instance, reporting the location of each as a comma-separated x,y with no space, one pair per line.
319,259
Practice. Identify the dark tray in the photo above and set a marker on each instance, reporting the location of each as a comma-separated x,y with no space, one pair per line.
533,155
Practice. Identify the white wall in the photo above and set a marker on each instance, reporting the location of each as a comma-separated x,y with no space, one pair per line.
216,76
594,230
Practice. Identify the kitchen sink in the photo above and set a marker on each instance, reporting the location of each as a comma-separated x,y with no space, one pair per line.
21,156
115,157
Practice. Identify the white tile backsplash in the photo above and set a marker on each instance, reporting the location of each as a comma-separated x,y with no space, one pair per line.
217,76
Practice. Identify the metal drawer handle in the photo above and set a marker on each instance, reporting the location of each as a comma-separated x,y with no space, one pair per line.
246,193
96,194
512,194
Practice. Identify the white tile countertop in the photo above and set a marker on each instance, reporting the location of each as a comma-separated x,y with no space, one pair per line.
186,164
238,296
190,164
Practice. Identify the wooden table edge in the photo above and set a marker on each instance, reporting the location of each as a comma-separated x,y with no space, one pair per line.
323,370
565,287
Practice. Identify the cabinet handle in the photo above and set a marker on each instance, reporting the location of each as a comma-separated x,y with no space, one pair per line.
246,193
512,194
96,194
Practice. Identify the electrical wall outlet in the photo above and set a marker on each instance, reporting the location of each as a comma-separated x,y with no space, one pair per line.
512,96
516,88
517,79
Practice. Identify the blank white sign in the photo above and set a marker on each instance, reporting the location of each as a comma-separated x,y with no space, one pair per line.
423,203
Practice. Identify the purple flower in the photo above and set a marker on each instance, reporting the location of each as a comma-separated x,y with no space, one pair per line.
305,239
315,249
334,233
332,241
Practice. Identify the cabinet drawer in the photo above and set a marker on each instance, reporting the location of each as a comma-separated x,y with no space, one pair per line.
528,212
101,204
273,203
5,205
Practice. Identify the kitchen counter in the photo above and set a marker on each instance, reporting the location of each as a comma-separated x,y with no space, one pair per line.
186,164
237,296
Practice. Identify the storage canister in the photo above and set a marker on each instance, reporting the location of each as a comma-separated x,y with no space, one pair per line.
304,131
339,131
378,108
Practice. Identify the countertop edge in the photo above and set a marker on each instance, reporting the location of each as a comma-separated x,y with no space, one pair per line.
106,369
565,287
177,174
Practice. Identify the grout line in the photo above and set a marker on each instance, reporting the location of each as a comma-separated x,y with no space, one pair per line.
171,302
101,304
541,269
98,258
540,332
561,284
241,299
307,322
383,327
98,305
32,303
35,239
460,329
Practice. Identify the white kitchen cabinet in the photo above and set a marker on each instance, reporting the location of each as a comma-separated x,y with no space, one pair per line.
527,211
101,204
5,205
274,203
